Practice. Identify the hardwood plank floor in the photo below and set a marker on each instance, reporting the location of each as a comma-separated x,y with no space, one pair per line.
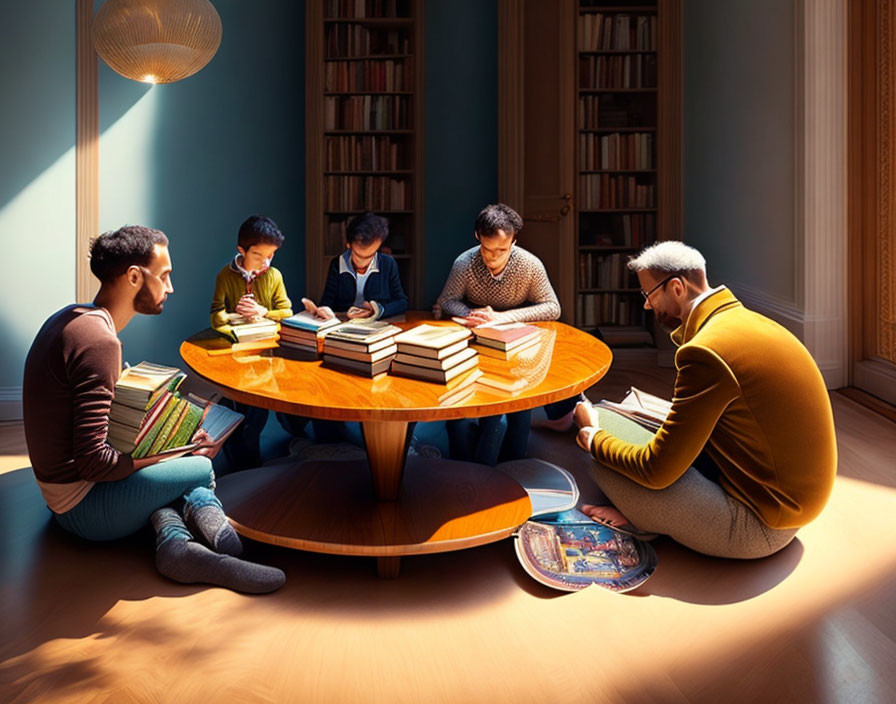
814,623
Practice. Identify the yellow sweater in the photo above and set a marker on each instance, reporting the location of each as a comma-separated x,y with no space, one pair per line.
750,393
268,289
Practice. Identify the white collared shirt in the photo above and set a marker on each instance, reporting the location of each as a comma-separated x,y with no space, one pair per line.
346,266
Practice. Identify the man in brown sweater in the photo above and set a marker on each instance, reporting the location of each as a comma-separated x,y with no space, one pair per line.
93,490
747,454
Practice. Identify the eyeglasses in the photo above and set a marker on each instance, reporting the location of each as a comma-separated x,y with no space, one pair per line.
661,284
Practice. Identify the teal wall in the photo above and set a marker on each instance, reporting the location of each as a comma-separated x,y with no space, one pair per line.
461,128
37,173
195,158
739,141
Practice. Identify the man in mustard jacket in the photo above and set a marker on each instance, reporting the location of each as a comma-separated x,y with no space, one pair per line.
747,454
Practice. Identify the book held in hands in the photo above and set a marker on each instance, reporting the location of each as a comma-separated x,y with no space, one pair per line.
149,416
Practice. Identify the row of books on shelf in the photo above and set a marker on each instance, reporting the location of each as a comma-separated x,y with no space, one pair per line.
605,271
376,75
634,231
367,112
609,308
606,191
614,72
351,153
366,193
347,40
616,32
150,416
356,9
616,151
603,112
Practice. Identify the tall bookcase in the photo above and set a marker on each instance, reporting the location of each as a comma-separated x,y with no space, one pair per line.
617,118
364,127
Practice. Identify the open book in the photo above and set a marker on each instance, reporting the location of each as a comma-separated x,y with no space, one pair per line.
562,547
645,409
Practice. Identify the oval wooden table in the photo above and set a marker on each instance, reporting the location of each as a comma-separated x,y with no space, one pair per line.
388,506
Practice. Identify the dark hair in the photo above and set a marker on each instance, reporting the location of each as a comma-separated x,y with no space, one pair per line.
114,252
497,217
258,229
367,228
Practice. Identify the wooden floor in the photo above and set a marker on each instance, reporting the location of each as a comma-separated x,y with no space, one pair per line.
814,623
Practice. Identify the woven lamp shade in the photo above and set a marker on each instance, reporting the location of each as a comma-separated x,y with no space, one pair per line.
156,41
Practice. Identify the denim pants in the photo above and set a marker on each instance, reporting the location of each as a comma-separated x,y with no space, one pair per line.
113,510
490,439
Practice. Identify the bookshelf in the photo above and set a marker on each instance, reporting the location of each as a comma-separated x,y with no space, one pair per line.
364,127
618,161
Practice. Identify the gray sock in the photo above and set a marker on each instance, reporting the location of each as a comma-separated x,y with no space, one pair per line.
205,515
181,559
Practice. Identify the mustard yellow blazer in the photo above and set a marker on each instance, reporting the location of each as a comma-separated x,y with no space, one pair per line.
750,393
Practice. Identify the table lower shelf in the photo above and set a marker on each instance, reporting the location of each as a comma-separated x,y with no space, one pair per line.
329,506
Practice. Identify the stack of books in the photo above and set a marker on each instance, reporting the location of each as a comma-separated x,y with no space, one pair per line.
437,353
150,417
504,340
304,332
364,348
136,392
243,329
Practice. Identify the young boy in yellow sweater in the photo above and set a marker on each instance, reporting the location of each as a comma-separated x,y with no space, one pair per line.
250,287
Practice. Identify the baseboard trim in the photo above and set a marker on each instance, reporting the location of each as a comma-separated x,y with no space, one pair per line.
10,403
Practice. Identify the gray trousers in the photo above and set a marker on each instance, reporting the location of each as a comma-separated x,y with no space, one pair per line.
694,511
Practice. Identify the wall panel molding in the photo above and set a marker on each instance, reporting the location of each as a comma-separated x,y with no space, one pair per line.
821,225
86,151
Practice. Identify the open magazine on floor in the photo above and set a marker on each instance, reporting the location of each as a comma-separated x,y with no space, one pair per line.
563,548
643,408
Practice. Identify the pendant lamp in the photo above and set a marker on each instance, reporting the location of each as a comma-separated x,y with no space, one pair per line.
156,41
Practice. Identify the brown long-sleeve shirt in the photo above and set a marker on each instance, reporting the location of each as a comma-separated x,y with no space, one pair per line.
70,376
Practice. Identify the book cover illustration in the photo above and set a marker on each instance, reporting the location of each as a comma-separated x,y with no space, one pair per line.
569,552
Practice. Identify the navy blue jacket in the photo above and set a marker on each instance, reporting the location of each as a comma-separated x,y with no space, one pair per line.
383,286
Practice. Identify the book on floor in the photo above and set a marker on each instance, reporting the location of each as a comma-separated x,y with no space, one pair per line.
645,409
563,548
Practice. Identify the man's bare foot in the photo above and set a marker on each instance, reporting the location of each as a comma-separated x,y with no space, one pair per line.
607,515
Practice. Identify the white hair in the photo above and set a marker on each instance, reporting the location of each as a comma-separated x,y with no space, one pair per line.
670,257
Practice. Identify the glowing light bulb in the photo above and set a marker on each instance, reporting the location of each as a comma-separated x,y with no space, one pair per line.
149,78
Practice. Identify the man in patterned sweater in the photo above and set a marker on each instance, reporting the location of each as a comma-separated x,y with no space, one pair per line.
496,281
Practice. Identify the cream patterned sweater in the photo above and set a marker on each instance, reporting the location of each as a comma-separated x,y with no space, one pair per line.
522,293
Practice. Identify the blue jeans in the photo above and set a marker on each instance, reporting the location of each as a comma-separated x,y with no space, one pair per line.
113,510
558,409
490,439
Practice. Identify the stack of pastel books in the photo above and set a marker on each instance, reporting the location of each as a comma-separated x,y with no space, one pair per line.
361,347
150,417
504,340
437,353
304,331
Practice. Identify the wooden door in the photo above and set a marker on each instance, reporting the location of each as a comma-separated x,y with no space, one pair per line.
536,112
872,195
